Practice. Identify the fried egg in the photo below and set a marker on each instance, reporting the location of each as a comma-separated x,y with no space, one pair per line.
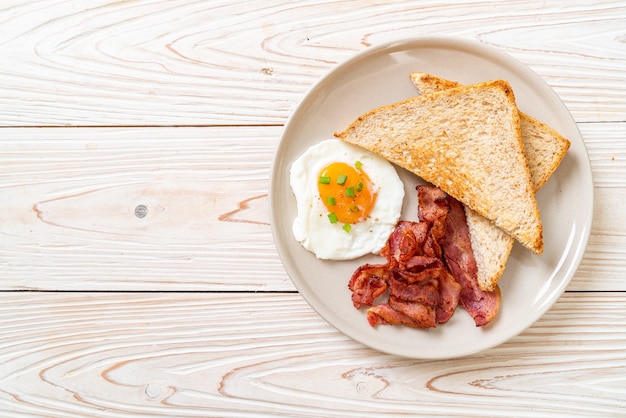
348,200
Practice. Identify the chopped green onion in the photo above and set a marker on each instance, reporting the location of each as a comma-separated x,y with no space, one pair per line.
359,187
331,201
347,228
324,180
341,179
332,217
354,208
349,191
358,165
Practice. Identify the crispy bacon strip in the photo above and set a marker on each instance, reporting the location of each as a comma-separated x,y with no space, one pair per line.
420,316
421,313
414,287
433,208
419,263
457,252
367,283
405,241
457,248
450,293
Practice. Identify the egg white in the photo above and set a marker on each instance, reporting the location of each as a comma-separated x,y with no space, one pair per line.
312,229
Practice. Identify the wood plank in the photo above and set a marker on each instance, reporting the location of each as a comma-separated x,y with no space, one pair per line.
192,355
607,153
70,195
69,198
191,62
604,262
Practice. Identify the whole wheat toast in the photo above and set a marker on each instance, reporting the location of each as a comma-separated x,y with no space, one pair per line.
544,148
467,141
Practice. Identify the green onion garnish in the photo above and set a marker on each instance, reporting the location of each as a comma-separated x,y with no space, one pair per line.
349,191
331,201
324,180
358,165
332,217
341,179
359,187
347,228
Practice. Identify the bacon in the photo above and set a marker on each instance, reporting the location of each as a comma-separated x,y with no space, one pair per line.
424,291
411,274
431,247
367,283
419,263
433,208
457,248
429,271
435,287
432,204
405,241
450,293
420,316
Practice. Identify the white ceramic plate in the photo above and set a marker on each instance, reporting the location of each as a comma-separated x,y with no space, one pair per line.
530,285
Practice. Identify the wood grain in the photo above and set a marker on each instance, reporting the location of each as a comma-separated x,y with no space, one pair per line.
604,262
69,209
191,62
198,355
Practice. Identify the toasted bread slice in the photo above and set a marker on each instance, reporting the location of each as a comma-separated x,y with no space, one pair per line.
467,141
544,149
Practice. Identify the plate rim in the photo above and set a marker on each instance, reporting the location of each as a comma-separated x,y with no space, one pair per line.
403,44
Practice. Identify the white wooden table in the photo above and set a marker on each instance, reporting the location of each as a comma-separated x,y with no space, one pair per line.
138,274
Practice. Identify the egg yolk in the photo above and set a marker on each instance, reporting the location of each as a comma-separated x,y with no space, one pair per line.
347,192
